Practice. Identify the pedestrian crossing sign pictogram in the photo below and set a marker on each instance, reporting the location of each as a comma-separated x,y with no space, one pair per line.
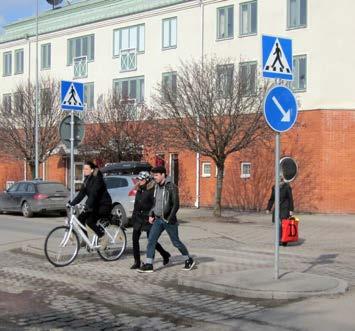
72,95
277,57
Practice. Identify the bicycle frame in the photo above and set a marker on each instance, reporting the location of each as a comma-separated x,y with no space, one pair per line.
75,224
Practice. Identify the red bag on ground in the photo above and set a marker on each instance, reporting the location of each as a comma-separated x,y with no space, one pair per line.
289,230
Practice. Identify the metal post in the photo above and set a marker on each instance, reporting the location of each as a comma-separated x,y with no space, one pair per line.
72,156
277,204
36,106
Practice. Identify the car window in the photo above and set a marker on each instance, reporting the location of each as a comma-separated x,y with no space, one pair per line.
13,188
22,187
31,188
115,182
51,188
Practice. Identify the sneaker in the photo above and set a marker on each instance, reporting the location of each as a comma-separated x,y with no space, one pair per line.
189,264
136,265
147,267
166,258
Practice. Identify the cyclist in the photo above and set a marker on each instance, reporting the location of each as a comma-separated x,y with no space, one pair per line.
98,204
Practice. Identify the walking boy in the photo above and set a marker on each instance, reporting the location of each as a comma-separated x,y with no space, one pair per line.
163,217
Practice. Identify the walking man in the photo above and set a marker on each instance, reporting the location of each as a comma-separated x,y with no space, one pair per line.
163,217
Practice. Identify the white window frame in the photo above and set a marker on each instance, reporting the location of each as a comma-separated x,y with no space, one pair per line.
167,79
71,51
7,64
91,97
249,19
204,173
139,39
19,61
46,56
298,24
296,78
225,82
219,34
249,65
7,102
140,84
242,173
172,38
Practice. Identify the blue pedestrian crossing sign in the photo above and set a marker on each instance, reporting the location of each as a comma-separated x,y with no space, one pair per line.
72,96
277,57
280,109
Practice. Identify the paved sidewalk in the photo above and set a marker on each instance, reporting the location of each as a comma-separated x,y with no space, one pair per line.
93,295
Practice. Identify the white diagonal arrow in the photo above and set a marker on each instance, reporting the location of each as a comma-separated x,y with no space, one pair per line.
286,114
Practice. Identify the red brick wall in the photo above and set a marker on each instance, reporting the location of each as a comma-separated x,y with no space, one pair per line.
322,142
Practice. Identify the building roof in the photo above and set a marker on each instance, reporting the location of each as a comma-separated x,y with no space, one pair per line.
80,13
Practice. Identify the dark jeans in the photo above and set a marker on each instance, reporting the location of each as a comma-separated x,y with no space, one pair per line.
136,249
172,229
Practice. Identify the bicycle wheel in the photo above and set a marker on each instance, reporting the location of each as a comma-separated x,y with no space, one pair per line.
61,247
116,245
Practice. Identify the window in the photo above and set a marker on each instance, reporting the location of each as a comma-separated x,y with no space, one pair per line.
130,88
206,169
19,61
299,73
46,51
225,79
128,38
248,18
7,64
89,99
13,188
31,188
245,169
22,187
6,102
46,101
247,72
169,85
19,102
169,32
115,182
225,22
81,46
296,14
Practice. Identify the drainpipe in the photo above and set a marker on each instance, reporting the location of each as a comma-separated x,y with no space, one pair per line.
197,202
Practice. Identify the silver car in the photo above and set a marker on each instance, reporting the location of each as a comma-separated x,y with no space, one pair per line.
123,193
35,196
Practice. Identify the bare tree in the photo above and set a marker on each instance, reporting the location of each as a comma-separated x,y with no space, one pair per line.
117,129
17,122
215,110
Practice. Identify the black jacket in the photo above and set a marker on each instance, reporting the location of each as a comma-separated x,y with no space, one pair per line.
171,203
143,203
286,200
95,189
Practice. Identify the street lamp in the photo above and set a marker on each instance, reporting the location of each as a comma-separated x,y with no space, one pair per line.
36,106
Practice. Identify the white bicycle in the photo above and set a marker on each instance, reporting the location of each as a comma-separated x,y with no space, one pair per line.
62,243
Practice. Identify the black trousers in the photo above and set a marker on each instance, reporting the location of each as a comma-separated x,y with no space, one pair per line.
136,250
90,219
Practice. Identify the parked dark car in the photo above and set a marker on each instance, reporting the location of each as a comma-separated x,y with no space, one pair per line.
35,196
125,168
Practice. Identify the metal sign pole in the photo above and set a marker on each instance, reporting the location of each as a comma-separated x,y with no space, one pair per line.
277,204
72,156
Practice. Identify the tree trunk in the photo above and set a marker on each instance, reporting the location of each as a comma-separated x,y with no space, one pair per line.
219,184
32,169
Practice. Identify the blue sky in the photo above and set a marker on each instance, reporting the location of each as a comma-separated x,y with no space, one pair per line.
12,10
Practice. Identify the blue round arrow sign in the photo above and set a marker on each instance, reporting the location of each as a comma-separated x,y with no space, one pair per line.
280,109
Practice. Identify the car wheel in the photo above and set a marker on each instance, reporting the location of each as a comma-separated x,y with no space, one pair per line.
120,213
26,209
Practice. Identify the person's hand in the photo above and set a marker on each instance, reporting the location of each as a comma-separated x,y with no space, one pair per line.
291,213
267,211
151,219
